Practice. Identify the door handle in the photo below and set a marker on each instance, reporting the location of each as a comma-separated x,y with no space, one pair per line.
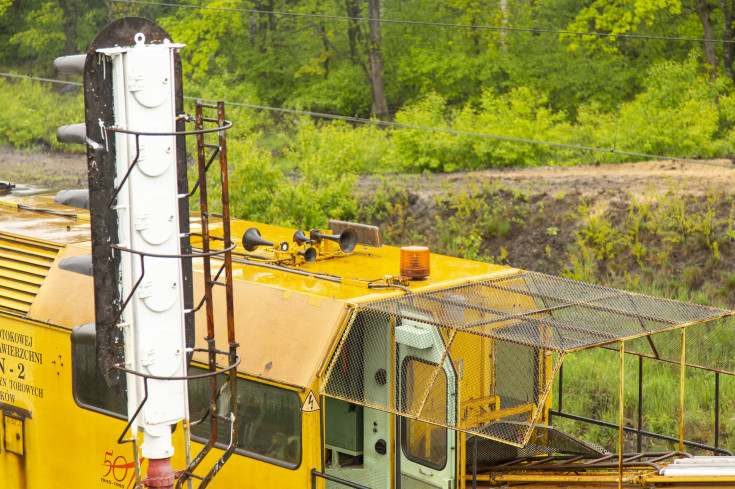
421,471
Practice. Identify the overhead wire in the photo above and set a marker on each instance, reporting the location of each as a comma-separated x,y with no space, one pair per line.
401,125
417,22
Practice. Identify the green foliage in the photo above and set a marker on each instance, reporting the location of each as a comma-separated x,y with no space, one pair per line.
521,113
32,112
344,91
417,149
337,147
662,227
319,190
679,113
477,213
258,190
45,39
591,383
36,31
620,17
209,31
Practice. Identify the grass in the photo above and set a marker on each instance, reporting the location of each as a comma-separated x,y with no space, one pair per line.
591,383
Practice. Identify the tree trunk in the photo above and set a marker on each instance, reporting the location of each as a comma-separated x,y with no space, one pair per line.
69,25
504,11
326,46
709,48
271,16
375,63
353,26
728,49
17,19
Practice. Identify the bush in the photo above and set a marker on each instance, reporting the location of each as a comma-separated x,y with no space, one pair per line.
337,147
32,113
680,113
522,113
322,187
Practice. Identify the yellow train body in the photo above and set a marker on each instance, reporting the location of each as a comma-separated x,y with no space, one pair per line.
380,387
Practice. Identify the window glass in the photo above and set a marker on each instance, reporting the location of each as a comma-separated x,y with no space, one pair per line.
270,419
423,442
89,387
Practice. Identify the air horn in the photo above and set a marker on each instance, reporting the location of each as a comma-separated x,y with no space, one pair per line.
300,238
251,240
309,254
347,239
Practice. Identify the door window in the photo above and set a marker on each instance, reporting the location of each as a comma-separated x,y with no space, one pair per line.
423,442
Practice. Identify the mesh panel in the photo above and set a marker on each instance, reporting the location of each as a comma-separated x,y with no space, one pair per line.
708,345
481,357
545,440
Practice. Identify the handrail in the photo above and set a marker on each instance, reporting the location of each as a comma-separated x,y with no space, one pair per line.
315,473
639,432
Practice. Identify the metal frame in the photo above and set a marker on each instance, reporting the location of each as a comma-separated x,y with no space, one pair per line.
639,431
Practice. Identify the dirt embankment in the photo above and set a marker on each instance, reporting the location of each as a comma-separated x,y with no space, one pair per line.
554,196
62,170
538,243
53,170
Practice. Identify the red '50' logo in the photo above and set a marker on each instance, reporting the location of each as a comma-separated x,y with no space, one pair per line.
117,467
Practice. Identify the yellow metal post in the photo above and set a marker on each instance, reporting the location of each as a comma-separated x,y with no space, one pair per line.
620,415
681,390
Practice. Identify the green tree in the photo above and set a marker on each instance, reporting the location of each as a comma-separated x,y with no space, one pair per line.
36,31
617,17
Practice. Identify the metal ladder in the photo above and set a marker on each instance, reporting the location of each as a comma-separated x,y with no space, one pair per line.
208,251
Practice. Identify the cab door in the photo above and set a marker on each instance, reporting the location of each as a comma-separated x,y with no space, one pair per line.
426,455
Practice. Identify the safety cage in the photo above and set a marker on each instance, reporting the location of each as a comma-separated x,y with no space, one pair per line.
498,344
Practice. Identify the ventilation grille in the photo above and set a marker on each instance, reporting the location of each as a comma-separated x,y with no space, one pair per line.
24,265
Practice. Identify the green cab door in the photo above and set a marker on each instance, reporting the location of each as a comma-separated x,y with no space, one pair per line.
426,457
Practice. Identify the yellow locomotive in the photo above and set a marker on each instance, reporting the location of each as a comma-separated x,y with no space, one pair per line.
300,360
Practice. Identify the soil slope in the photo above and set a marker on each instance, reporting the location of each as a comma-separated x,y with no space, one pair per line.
607,190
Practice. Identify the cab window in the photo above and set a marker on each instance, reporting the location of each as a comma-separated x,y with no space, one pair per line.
270,419
89,387
422,442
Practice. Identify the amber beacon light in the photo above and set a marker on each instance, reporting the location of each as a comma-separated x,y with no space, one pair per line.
415,262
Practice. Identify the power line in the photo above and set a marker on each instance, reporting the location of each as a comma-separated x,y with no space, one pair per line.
464,133
400,125
36,78
414,22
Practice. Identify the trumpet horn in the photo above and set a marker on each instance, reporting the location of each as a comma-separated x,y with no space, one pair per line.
300,238
347,239
251,239
309,254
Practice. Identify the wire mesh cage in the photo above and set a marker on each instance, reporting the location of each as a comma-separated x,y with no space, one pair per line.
481,357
